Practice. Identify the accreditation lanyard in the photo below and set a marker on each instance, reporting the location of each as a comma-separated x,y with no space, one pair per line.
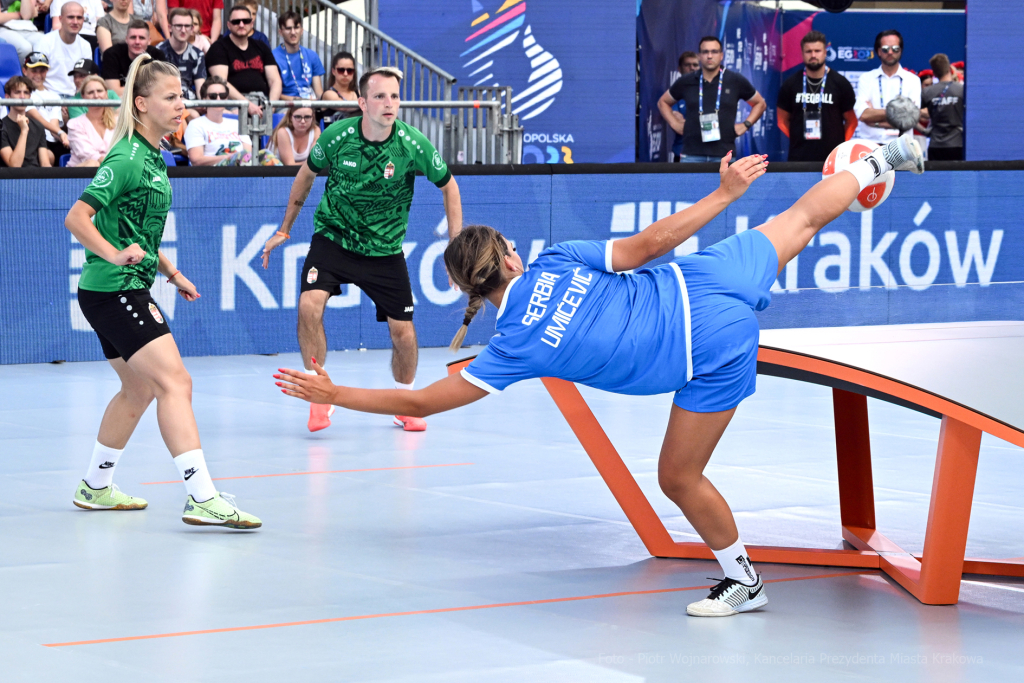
881,97
304,90
709,129
812,121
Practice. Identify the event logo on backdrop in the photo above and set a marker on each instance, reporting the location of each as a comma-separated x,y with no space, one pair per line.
572,81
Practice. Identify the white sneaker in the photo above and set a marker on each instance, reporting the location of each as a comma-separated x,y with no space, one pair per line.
730,597
904,154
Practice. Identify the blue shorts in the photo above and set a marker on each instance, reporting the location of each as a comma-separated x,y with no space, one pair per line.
726,283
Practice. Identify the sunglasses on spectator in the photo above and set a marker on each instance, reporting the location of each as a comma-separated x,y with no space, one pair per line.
894,49
344,70
238,22
216,95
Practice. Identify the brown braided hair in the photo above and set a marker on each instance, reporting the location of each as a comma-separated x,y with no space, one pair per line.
474,260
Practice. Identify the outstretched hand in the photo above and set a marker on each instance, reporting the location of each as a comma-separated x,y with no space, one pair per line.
275,241
738,177
316,388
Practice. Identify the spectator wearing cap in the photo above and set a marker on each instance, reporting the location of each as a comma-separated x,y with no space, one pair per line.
210,13
84,68
247,65
112,28
65,47
17,28
118,59
815,104
927,77
944,102
189,59
93,12
46,110
22,140
301,69
878,87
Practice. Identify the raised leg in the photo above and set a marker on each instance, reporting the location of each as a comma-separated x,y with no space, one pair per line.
853,454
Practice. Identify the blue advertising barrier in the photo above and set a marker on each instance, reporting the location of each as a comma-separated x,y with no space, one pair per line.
571,65
942,248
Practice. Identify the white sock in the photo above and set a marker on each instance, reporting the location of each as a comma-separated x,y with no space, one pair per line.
192,468
101,468
868,169
409,386
310,372
736,564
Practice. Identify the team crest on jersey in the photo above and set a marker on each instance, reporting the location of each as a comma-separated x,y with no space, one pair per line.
389,170
318,153
311,275
155,312
436,160
104,177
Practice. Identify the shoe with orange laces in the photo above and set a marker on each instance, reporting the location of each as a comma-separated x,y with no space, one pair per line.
319,416
411,424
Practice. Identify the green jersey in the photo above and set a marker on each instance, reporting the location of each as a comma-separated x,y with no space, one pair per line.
365,207
131,195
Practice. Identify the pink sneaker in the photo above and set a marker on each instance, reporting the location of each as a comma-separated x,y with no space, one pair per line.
319,416
411,424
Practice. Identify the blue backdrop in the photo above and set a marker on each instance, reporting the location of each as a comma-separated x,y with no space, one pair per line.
571,66
938,250
992,93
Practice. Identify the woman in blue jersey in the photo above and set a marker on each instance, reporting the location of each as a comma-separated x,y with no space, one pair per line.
687,326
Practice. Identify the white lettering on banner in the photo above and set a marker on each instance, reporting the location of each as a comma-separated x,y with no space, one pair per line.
840,261
538,305
289,285
561,318
872,257
913,280
234,265
77,261
813,98
551,139
972,254
624,217
436,296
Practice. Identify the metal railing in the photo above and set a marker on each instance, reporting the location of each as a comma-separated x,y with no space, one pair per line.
463,131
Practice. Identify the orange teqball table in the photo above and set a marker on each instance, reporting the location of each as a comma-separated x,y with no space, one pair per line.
949,371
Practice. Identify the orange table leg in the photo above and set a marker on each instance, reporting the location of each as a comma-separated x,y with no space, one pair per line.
853,454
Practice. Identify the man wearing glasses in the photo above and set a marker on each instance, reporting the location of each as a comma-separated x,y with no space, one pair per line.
247,65
301,70
878,87
712,97
189,59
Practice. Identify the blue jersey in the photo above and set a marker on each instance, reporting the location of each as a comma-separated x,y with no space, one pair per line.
570,316
297,71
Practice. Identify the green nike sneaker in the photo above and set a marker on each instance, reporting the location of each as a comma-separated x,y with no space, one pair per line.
218,511
109,498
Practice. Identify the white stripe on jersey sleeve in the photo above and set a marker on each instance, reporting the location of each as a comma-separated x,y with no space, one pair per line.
478,382
608,256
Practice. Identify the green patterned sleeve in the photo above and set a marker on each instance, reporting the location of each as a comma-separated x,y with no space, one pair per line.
116,175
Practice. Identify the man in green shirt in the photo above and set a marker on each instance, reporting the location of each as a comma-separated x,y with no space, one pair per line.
360,224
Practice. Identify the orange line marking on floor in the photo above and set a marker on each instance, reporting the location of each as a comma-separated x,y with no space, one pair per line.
442,610
295,474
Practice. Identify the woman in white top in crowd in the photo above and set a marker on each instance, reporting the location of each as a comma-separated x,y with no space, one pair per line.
90,135
295,135
211,138
197,38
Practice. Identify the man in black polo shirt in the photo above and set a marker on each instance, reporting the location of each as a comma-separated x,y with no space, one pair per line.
117,60
247,65
816,105
713,95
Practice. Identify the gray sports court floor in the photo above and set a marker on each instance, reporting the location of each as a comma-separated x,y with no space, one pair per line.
486,549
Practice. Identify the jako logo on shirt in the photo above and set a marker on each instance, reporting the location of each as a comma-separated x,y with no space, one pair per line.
103,178
350,164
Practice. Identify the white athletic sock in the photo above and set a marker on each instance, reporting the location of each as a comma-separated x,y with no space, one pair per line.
736,564
867,170
192,467
310,372
101,469
409,386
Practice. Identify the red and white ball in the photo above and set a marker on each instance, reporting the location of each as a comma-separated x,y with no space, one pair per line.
849,152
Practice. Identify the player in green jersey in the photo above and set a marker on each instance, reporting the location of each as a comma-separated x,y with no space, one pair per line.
120,220
360,223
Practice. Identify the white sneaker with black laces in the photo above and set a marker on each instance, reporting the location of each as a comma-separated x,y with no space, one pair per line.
730,597
904,154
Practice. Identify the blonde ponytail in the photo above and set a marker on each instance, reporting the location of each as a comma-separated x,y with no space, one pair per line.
142,74
474,259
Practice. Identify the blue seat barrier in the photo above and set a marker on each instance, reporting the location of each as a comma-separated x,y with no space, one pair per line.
168,158
64,159
10,65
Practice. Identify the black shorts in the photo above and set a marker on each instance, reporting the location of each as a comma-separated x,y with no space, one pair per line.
124,321
385,279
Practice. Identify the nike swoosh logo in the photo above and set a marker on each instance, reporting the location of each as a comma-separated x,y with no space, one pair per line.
189,476
754,594
106,465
